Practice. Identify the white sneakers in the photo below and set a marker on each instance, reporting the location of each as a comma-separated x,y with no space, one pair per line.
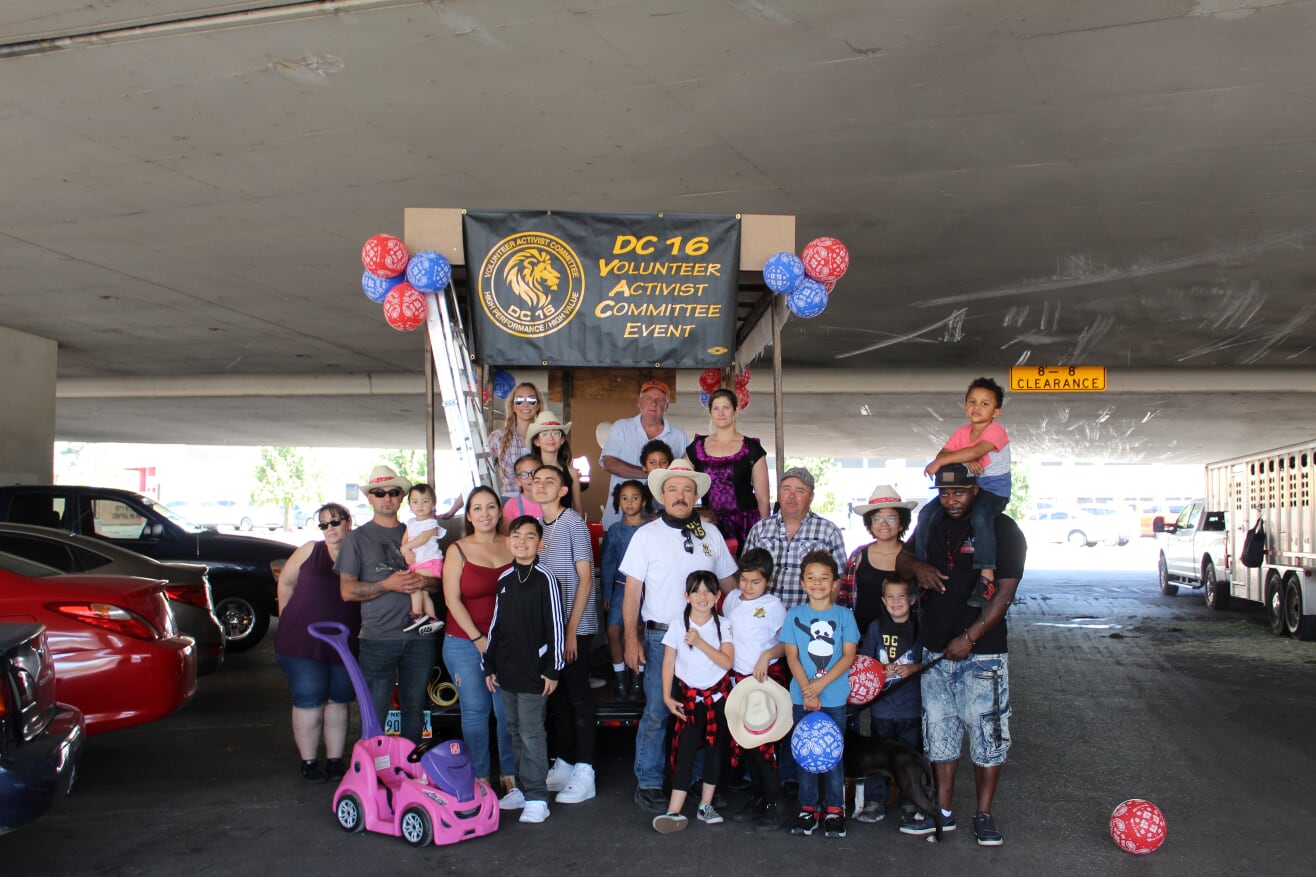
559,775
580,787
535,811
513,800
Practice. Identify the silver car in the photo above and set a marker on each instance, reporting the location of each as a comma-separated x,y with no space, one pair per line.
188,586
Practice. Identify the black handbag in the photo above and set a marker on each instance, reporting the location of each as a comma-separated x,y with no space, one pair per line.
1254,546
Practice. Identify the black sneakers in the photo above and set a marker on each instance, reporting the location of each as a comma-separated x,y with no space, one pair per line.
751,812
983,591
311,771
773,817
806,822
984,829
834,822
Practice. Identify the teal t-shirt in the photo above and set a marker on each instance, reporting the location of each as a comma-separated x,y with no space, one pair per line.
820,637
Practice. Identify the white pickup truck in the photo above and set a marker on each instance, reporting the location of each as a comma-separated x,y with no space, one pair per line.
1193,551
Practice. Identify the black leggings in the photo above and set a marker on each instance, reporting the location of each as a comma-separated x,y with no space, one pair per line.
693,738
573,707
763,782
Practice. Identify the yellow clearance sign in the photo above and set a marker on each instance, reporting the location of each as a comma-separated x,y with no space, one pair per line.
1058,379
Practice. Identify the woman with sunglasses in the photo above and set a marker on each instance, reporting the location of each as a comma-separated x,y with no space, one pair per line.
508,443
321,690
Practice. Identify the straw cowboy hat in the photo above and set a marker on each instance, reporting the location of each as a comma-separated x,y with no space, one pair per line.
884,497
383,477
758,712
545,420
683,468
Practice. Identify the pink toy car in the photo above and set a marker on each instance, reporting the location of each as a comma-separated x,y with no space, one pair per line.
423,794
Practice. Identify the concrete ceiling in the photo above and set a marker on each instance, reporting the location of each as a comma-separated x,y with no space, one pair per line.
1129,183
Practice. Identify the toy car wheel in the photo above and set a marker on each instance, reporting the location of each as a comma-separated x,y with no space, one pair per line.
350,815
416,827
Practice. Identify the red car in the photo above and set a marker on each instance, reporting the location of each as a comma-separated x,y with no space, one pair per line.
117,653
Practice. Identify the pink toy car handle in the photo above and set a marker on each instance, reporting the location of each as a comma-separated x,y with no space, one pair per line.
335,634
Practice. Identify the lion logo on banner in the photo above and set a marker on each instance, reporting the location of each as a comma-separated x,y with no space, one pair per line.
527,273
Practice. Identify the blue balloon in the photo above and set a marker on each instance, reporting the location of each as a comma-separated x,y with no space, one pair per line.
783,272
817,743
503,384
808,299
376,288
704,398
429,271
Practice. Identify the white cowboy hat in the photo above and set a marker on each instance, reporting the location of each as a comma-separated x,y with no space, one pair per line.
683,468
884,497
383,477
758,712
545,420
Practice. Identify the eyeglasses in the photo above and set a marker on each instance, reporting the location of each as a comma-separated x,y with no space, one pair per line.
885,519
525,476
392,492
551,433
332,522
526,400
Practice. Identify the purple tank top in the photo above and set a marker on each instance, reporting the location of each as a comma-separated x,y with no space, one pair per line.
317,597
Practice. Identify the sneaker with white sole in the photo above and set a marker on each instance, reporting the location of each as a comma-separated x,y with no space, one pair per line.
535,811
430,627
871,812
580,787
559,775
669,823
708,815
513,800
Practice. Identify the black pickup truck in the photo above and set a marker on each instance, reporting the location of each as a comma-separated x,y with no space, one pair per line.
244,570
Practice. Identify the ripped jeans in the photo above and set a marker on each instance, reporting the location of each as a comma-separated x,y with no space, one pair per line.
970,696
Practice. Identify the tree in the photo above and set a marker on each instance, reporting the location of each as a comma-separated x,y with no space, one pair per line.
410,464
1020,493
284,478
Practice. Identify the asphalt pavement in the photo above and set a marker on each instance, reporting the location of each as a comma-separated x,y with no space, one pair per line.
1118,693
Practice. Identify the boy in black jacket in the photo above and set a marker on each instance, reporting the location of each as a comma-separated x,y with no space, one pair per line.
523,658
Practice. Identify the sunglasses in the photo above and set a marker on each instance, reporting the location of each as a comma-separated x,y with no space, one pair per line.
332,522
393,492
526,400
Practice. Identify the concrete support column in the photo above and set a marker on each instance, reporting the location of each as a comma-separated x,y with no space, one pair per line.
27,408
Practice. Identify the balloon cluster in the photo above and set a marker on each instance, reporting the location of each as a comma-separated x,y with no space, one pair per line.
710,380
401,281
807,279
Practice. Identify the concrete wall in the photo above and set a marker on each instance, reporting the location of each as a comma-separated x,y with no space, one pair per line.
27,407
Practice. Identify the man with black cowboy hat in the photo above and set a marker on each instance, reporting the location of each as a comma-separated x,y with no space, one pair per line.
969,692
372,572
662,554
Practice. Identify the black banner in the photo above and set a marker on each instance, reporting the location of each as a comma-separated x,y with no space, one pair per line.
624,289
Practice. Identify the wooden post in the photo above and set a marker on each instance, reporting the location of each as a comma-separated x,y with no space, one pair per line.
429,410
778,404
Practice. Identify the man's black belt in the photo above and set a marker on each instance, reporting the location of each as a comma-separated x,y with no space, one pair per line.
653,625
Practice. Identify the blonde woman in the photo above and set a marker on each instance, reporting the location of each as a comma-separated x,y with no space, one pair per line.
509,443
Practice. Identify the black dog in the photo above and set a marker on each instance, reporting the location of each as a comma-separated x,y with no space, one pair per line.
905,766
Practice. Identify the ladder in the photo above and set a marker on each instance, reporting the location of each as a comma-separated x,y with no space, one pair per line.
460,389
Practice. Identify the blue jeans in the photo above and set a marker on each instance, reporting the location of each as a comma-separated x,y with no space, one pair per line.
406,663
649,737
833,781
967,697
466,667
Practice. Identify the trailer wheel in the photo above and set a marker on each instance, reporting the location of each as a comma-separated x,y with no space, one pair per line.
1217,595
1163,571
1296,624
1275,603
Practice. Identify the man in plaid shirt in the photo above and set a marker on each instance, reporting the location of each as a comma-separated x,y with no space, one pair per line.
793,532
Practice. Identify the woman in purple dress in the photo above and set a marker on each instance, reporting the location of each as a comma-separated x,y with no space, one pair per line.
321,690
738,468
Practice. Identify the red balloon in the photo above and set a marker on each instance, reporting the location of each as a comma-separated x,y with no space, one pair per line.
866,678
404,307
825,259
742,398
1138,826
710,379
742,380
829,285
384,255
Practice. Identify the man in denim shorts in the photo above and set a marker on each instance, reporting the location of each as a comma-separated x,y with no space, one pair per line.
969,691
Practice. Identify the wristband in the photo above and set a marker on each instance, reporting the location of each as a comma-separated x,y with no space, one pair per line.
478,638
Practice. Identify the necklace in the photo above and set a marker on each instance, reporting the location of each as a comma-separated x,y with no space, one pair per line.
953,549
529,570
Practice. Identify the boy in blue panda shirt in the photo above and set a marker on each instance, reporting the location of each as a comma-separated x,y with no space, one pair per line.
821,640
894,639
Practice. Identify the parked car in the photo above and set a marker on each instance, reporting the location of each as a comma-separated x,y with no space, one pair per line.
40,738
244,570
234,515
1192,555
188,588
1080,526
117,653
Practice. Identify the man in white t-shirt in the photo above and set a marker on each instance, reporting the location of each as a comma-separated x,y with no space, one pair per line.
661,556
621,452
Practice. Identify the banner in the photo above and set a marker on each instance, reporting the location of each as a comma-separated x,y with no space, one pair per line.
599,289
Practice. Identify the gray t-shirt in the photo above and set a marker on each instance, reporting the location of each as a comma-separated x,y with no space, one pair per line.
372,553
